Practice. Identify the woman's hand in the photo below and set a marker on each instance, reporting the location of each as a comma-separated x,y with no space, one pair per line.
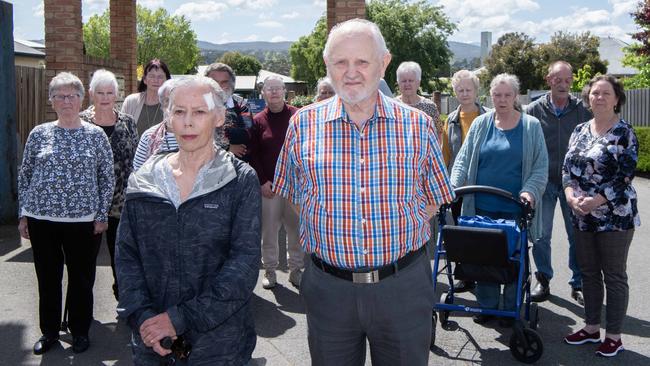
238,150
154,329
267,192
527,196
587,204
22,227
100,227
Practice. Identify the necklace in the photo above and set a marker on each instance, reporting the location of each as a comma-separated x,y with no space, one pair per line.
148,117
597,133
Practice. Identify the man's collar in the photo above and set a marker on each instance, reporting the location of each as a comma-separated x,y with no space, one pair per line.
230,103
335,110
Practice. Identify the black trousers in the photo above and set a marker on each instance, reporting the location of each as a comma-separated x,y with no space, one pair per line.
111,235
76,245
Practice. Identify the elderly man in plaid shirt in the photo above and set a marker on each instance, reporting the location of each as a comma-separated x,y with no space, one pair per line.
365,173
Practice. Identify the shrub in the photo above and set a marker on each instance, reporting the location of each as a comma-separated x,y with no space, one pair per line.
643,135
300,101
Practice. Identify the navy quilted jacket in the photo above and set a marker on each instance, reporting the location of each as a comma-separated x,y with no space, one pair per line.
199,263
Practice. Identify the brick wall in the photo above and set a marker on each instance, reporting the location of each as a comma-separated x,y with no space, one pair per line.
123,40
342,10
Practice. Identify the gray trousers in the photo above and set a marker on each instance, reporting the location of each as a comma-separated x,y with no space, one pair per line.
394,315
604,255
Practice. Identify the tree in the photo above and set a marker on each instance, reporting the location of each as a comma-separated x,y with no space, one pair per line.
581,78
638,55
241,64
515,53
414,31
159,35
577,49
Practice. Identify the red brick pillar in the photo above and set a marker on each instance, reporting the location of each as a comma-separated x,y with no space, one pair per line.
124,45
63,41
341,10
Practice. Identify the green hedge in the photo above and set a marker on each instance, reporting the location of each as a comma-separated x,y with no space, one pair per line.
643,134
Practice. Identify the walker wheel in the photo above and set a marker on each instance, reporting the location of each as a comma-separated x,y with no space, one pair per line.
533,313
434,321
444,314
526,350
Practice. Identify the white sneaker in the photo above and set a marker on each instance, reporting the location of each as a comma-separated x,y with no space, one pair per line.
295,277
269,281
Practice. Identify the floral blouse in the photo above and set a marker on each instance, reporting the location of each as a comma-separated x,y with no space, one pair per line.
604,165
66,174
124,141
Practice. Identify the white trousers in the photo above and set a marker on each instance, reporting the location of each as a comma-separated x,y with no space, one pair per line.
277,212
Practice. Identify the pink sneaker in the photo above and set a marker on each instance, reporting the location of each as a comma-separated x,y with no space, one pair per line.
582,337
610,348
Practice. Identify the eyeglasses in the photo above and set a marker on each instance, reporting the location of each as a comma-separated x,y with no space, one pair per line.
156,77
62,98
274,89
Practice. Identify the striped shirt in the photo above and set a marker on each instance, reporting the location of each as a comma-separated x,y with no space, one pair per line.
142,152
362,193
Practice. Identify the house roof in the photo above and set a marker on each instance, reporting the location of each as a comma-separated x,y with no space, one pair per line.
21,49
611,50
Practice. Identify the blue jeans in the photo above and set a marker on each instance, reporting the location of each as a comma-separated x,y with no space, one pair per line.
488,293
542,247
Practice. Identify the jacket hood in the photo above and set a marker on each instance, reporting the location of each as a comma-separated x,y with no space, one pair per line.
219,172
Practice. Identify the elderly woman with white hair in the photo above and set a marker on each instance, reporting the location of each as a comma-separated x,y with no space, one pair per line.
409,75
188,250
504,149
122,133
324,89
157,138
65,187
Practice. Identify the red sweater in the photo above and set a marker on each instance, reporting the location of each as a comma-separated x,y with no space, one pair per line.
267,137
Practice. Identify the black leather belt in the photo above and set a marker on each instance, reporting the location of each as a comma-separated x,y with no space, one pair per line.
373,276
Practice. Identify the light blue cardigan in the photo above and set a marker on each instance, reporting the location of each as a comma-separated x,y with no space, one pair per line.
535,164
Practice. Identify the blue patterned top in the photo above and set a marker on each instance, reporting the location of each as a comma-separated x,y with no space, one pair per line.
604,165
66,174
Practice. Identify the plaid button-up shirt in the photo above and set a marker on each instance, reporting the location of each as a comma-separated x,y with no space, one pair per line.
362,193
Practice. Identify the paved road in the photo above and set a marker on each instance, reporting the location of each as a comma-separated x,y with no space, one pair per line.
281,325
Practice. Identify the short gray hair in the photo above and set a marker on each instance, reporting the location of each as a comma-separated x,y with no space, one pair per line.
163,92
218,95
356,26
219,66
464,75
323,81
63,80
103,77
273,77
408,67
510,80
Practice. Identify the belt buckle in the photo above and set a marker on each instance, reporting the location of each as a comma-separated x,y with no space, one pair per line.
365,277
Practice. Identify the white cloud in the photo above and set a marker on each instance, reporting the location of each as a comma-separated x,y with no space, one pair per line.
486,8
292,15
202,10
278,39
39,10
320,3
251,38
224,38
151,4
623,7
269,24
266,15
252,4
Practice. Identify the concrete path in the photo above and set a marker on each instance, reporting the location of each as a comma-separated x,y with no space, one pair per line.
281,325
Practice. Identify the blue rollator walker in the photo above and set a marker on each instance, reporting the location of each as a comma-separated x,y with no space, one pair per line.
482,254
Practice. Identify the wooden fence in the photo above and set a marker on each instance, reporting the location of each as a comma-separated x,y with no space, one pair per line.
636,109
31,97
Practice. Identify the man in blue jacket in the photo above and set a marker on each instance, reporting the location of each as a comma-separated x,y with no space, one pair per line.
559,114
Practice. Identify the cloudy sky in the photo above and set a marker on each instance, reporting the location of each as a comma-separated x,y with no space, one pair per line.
221,21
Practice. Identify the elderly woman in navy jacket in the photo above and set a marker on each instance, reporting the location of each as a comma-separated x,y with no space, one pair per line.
188,250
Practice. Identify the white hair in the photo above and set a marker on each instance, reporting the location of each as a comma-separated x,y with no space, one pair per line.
323,81
163,92
103,77
273,77
409,67
510,80
63,80
217,94
464,75
356,26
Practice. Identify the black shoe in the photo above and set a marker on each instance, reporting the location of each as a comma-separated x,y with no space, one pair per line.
464,286
506,322
542,290
44,344
482,318
80,344
576,294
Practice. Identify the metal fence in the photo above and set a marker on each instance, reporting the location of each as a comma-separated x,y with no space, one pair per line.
636,109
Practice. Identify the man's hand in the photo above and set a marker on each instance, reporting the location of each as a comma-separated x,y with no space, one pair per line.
239,150
22,227
430,210
528,197
100,227
154,329
266,190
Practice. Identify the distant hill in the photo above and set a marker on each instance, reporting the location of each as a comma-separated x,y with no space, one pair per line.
245,46
463,51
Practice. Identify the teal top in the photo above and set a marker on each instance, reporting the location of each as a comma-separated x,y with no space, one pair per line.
499,165
534,163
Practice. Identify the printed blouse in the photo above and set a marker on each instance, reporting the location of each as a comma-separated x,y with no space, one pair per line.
604,165
66,174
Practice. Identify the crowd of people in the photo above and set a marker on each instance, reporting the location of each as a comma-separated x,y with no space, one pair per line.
191,190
